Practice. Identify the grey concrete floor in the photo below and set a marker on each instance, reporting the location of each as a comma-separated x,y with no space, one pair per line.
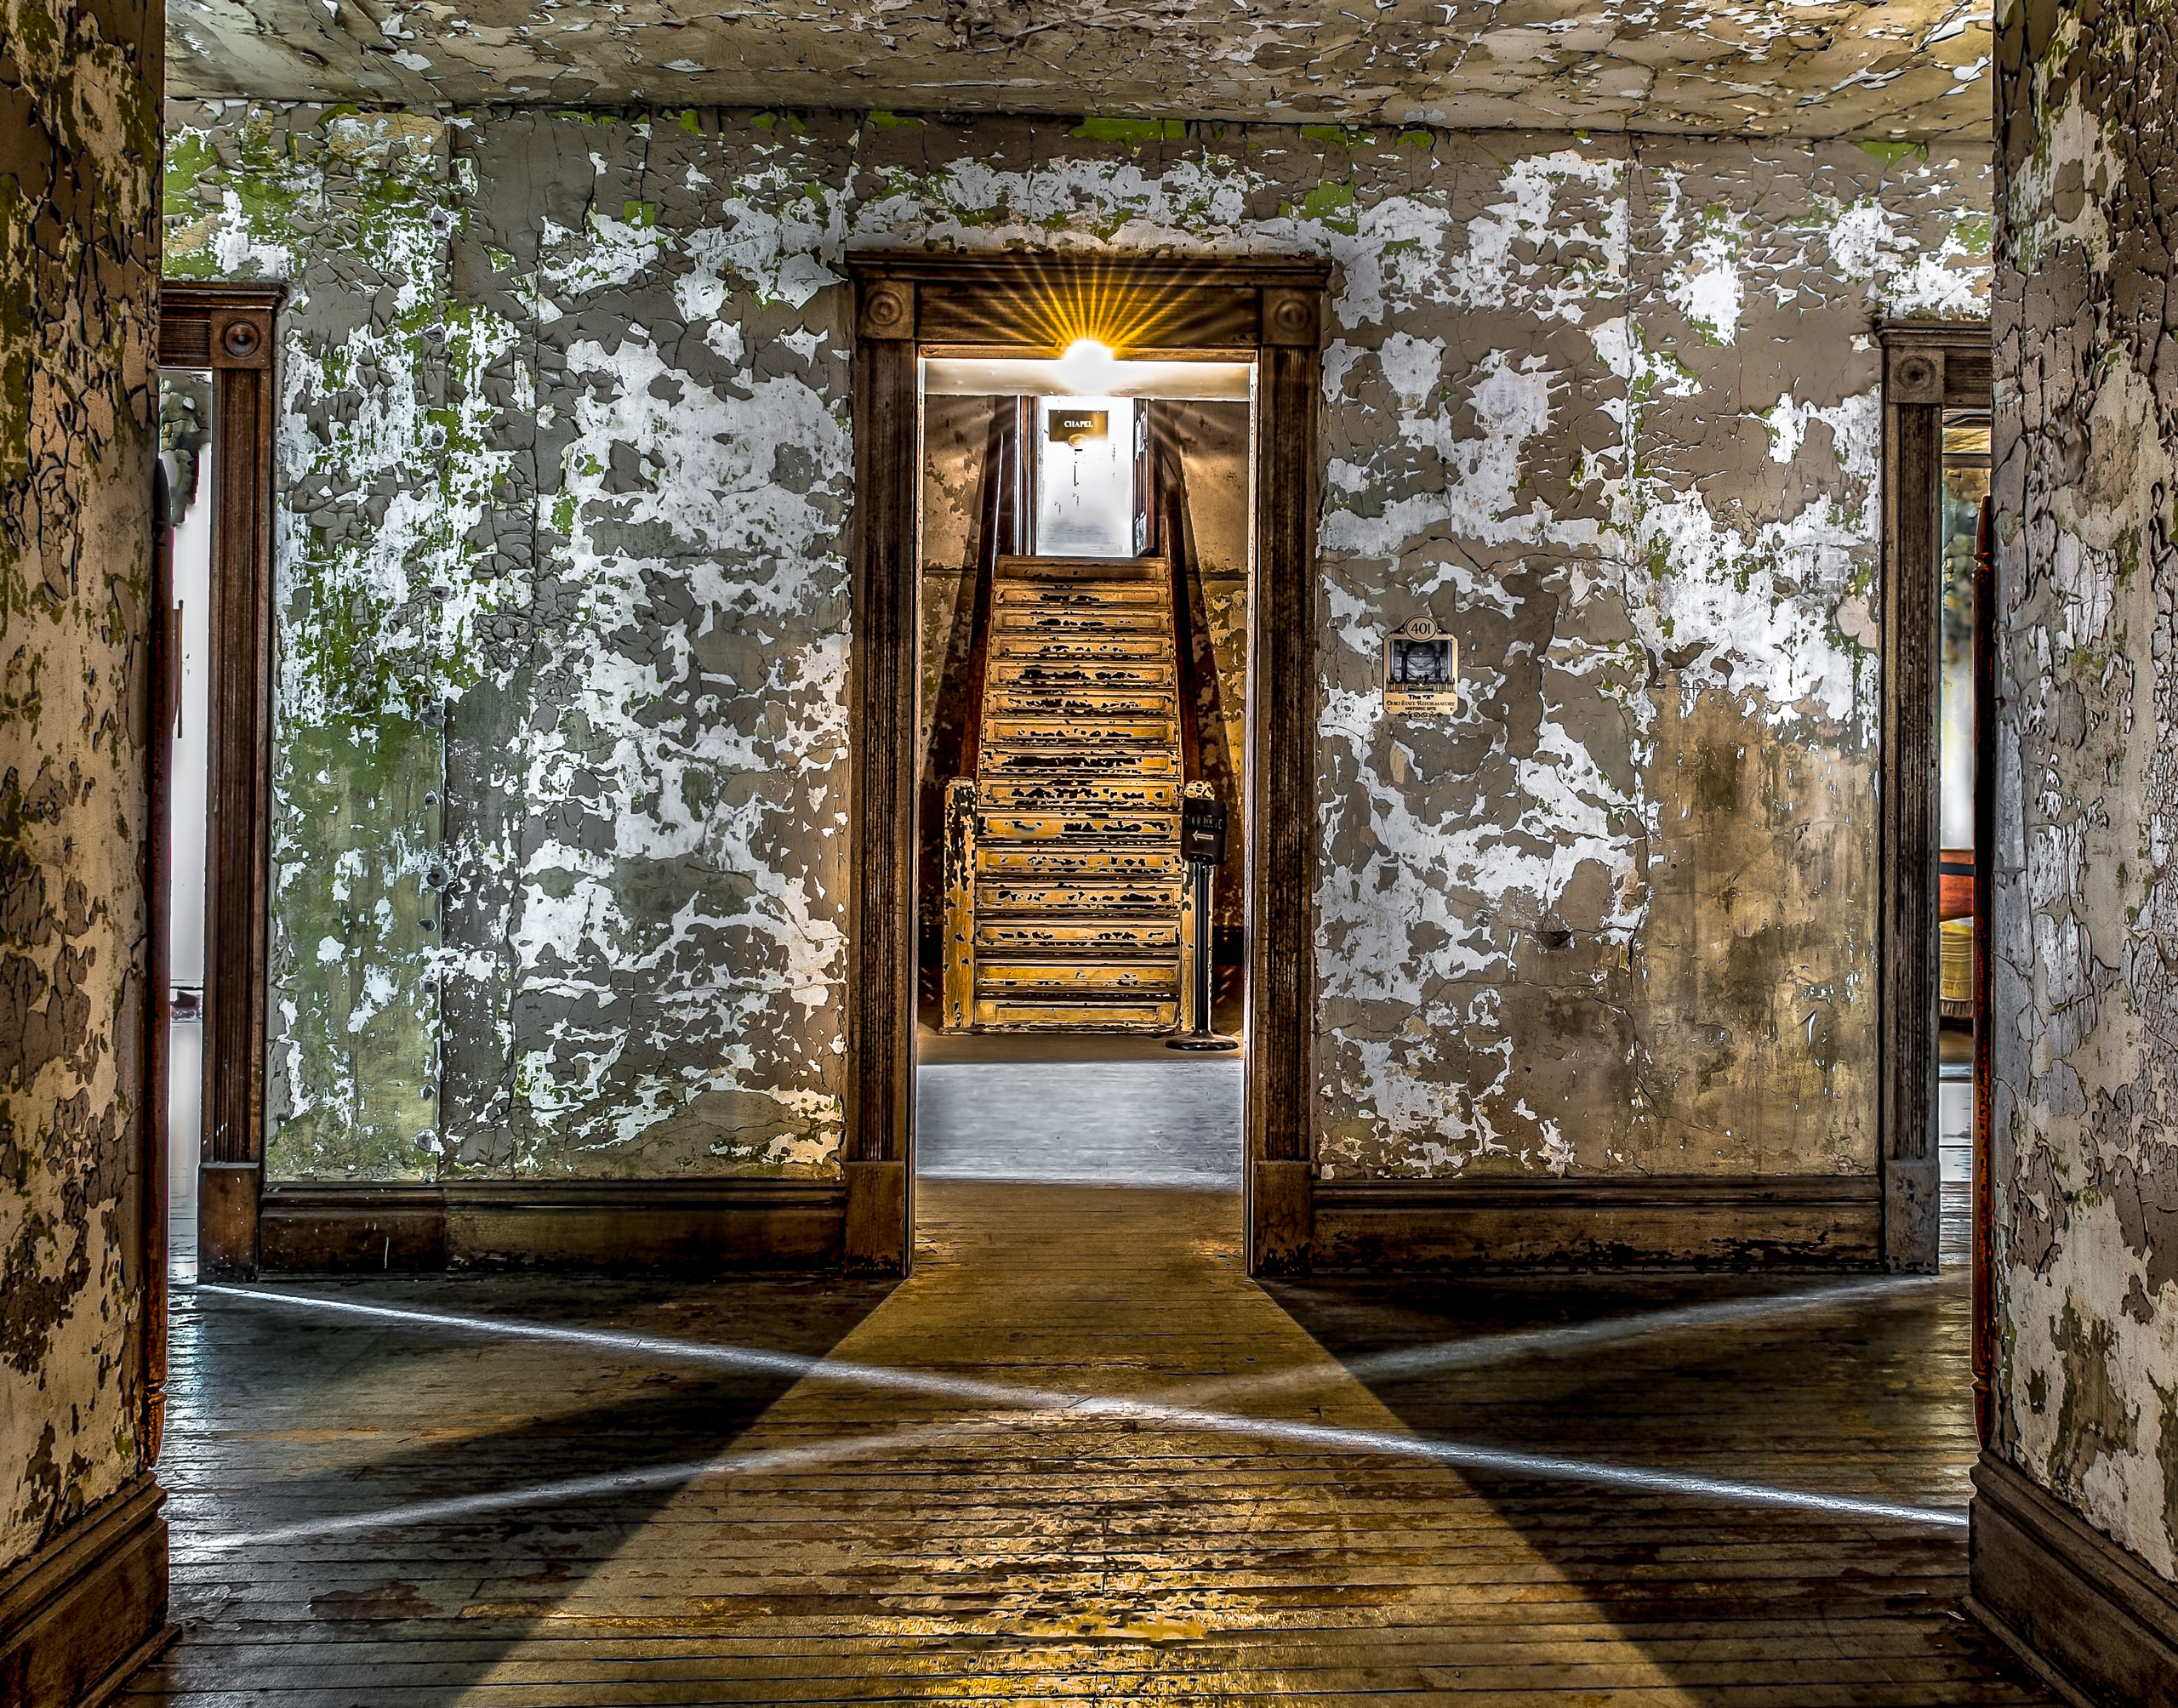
1127,1119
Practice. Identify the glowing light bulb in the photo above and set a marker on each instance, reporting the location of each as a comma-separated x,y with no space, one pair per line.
1087,368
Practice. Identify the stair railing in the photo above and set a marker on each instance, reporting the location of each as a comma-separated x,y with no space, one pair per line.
958,1005
1175,534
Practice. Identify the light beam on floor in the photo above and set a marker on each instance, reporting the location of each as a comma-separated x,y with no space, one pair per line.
1318,1437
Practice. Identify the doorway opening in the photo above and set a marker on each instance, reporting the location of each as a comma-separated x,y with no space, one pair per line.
1963,476
212,753
189,458
1264,320
1935,417
1084,634
1086,538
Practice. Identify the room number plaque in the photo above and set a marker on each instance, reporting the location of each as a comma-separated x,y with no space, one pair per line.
1421,670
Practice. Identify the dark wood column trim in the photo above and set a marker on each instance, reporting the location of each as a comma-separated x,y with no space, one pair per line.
1985,868
230,329
1268,310
1282,818
160,633
881,926
1927,366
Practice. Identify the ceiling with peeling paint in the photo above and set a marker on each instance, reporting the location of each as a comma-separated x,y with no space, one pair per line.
1904,69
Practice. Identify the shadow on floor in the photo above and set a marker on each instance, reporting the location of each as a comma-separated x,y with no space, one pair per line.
510,1466
1868,1399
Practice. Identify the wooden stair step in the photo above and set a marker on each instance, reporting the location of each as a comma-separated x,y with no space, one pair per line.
1082,595
1093,975
1080,704
999,896
1096,829
1084,677
1043,760
1068,794
1151,569
1133,1015
1058,934
1049,648
1080,623
1017,729
1055,861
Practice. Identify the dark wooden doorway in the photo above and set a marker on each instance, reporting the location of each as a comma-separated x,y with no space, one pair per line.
1267,312
1930,367
229,330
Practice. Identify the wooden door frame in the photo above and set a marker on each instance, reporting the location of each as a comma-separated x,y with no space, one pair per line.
230,330
1927,366
1268,311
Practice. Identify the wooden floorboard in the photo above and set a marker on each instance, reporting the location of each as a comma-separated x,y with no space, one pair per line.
860,1544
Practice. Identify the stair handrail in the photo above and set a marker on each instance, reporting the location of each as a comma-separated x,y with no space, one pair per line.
957,1003
998,534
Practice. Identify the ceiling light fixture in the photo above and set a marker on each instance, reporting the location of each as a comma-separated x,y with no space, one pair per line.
1087,368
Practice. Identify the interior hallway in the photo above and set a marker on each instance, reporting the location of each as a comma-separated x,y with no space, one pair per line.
1078,1455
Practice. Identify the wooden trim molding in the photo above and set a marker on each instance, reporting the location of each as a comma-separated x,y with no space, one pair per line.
1984,1198
1733,1222
910,304
156,856
1280,775
1927,366
882,666
231,329
88,1609
690,1226
2091,1617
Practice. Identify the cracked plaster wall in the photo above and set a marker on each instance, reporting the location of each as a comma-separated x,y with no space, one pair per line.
1607,407
2086,894
78,248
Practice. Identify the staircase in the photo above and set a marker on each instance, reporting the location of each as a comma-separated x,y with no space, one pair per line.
1062,858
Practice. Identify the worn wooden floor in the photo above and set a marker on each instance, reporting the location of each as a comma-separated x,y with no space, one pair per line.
879,1527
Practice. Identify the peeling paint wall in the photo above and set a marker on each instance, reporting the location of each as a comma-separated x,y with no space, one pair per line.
369,520
1607,407
78,426
561,641
2086,895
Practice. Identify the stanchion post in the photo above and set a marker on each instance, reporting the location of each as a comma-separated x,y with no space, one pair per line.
1202,840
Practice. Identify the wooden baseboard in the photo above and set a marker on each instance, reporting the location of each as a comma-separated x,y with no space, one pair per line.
84,1612
1656,1221
700,1227
352,1229
2090,1616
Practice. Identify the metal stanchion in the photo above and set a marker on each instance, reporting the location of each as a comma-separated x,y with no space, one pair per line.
1202,840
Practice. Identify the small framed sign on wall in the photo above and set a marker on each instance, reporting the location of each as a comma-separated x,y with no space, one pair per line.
1421,670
